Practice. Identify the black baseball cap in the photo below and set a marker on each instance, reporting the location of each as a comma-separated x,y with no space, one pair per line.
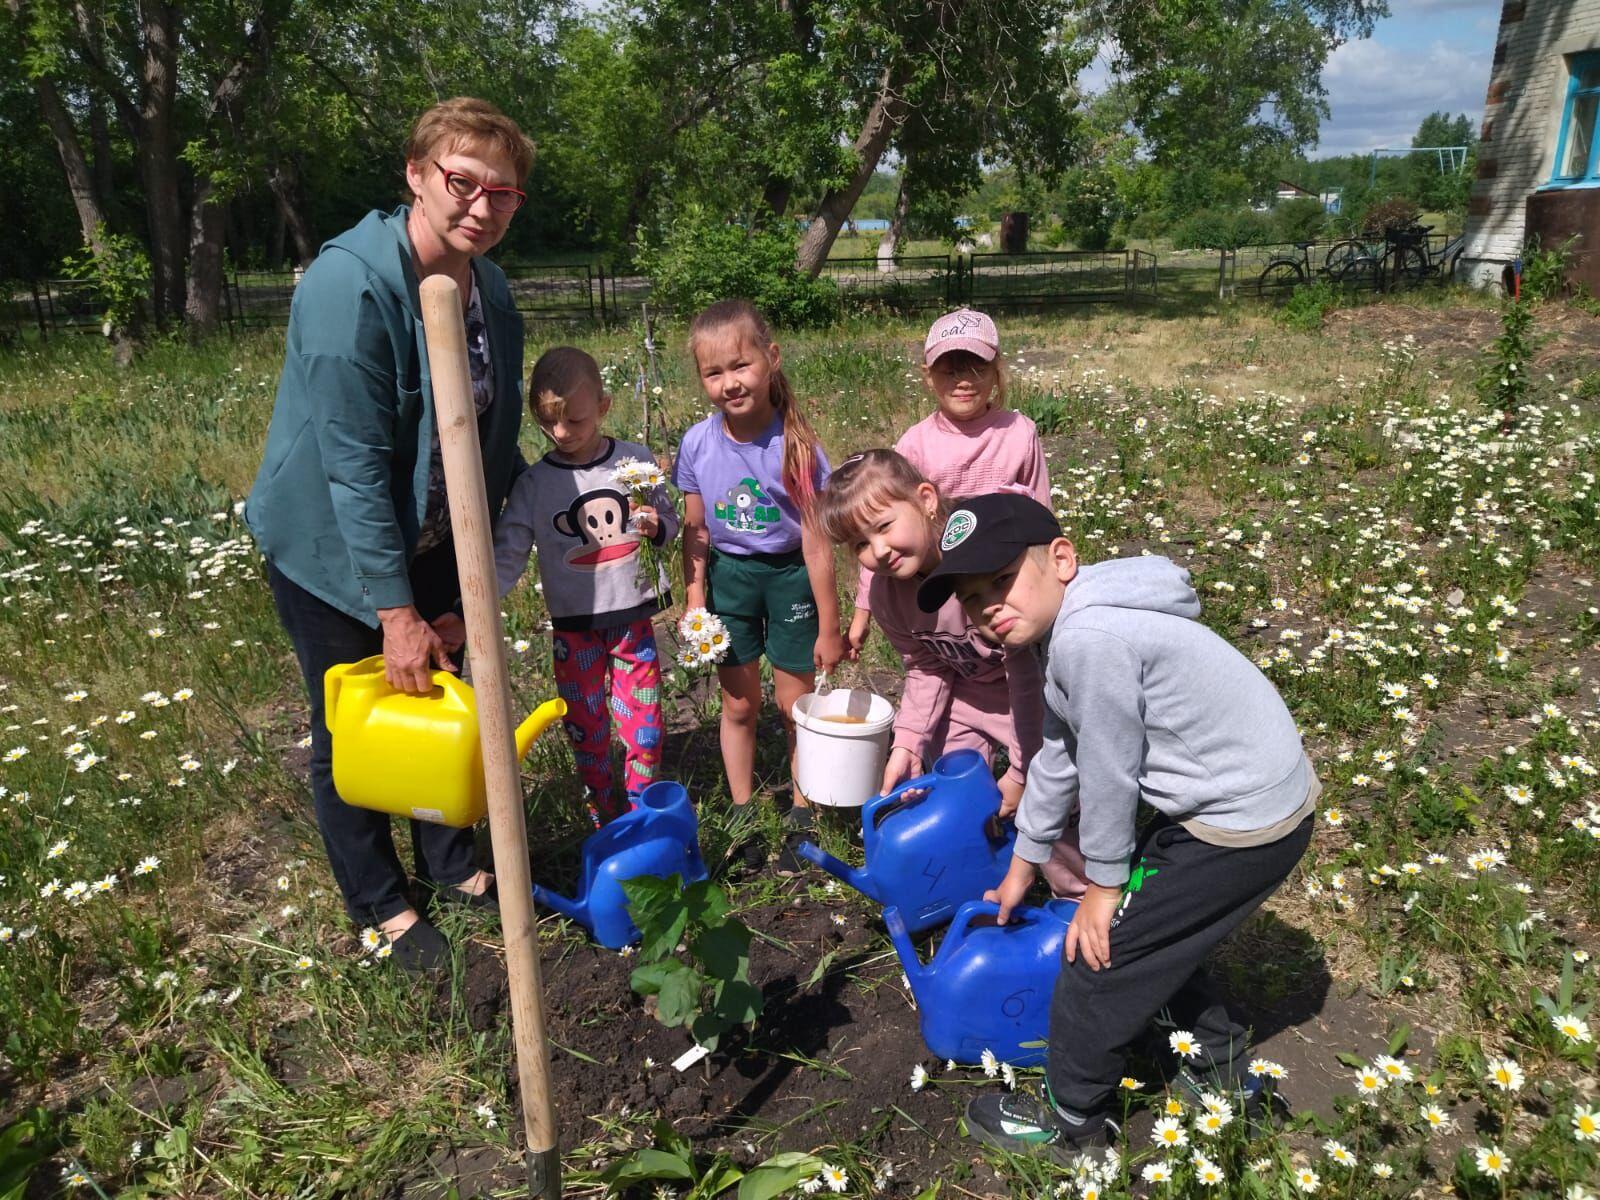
983,534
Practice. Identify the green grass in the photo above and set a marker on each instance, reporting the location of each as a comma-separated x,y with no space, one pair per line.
1354,519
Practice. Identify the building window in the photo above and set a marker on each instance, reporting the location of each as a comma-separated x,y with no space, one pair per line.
1577,156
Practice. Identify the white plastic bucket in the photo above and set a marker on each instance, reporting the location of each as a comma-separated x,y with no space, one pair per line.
839,763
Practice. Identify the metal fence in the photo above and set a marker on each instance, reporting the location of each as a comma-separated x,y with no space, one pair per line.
591,292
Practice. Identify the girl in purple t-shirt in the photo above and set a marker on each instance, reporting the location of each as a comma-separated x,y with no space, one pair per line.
752,553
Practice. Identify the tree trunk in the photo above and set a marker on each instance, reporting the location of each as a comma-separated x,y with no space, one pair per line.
895,236
887,112
103,161
80,180
203,307
158,155
280,226
284,180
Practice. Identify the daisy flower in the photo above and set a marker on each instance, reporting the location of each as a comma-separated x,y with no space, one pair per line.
1168,1131
1435,1118
1504,1074
1339,1153
1183,1043
1370,1081
1572,1027
1393,1069
1208,1173
1157,1172
1492,1161
919,1077
1307,1180
835,1177
1586,1124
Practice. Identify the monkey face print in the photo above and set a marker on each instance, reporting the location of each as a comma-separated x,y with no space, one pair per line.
596,523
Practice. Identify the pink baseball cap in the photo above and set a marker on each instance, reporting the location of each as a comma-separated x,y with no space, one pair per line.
963,329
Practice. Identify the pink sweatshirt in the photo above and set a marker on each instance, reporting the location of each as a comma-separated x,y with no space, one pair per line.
951,670
973,458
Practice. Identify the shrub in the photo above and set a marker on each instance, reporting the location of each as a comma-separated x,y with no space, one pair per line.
1544,272
1298,220
700,259
1388,215
1221,229
1307,305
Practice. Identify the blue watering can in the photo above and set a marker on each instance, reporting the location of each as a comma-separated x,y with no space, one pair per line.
927,854
989,985
659,837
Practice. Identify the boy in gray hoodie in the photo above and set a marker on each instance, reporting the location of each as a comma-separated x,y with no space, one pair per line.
1142,702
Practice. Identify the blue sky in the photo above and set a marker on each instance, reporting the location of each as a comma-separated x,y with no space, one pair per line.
1429,55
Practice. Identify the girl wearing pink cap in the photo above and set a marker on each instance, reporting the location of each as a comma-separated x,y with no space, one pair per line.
971,444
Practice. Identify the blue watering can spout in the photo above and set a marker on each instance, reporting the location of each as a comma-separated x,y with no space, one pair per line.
900,938
854,876
577,910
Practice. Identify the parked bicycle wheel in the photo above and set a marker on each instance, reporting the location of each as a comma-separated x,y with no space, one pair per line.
1404,267
1281,275
1342,253
1359,274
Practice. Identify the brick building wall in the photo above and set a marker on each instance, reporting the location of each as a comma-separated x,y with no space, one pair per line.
1522,123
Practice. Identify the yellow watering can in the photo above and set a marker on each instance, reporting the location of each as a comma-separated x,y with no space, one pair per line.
413,756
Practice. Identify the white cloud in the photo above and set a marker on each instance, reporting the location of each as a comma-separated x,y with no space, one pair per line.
1378,93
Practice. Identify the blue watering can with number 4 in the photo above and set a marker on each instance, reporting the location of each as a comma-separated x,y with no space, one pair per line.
659,836
932,844
989,985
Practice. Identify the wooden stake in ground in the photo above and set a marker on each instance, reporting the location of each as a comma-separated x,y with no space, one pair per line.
457,417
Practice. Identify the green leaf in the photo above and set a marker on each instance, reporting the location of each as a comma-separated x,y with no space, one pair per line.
818,972
707,903
679,996
658,909
715,1181
707,1030
647,1164
778,1174
738,1002
652,977
1397,1041
724,950
1354,1061
930,1193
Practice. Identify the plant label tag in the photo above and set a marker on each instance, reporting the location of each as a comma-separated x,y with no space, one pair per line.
689,1057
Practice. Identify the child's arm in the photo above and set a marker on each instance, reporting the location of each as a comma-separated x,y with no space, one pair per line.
1036,476
924,703
818,552
666,514
861,618
1025,688
513,532
696,548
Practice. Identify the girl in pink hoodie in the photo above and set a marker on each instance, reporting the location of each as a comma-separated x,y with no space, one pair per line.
961,692
971,444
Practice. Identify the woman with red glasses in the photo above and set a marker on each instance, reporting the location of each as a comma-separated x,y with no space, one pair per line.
349,507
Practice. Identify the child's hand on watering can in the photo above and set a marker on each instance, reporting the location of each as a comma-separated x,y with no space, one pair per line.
902,764
452,630
1013,889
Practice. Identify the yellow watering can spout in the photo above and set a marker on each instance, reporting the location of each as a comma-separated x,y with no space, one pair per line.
546,715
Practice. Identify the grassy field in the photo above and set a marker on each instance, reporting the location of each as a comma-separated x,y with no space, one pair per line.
184,1010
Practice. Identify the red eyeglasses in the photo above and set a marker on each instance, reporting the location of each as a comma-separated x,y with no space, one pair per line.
467,189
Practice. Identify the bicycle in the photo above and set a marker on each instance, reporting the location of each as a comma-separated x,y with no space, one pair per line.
1409,258
1285,272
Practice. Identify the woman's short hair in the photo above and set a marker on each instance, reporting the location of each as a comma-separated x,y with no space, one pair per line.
468,121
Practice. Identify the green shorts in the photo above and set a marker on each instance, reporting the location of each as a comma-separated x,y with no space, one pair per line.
765,601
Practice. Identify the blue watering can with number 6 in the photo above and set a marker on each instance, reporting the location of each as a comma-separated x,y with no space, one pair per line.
989,985
659,836
932,844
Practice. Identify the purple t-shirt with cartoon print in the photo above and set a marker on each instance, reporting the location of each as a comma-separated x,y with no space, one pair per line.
748,510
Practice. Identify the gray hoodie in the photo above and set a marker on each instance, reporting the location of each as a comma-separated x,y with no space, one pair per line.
1144,702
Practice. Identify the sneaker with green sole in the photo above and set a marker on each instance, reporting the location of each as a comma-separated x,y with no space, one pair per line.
1026,1123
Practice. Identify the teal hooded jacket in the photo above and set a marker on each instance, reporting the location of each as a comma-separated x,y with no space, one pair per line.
343,483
